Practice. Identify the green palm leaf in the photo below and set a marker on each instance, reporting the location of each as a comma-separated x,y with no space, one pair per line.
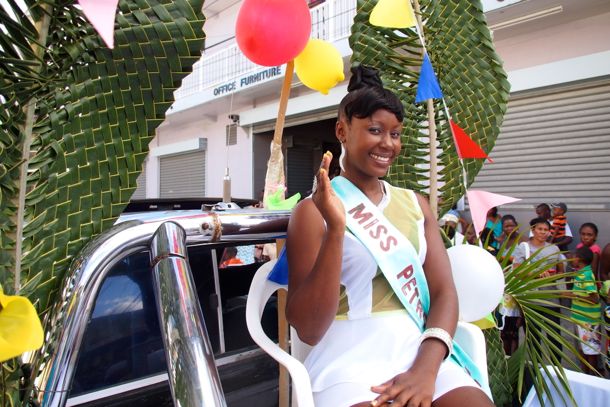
82,115
470,74
539,352
96,110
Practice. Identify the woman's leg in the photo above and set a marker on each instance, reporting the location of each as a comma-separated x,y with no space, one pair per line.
464,396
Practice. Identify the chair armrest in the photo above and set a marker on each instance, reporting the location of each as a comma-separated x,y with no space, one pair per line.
472,341
260,291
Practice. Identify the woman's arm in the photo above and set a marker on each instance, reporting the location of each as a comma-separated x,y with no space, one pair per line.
444,307
315,248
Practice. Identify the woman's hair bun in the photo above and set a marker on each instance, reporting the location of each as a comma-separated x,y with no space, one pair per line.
364,76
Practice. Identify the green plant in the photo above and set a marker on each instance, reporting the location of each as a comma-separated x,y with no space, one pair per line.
539,353
76,120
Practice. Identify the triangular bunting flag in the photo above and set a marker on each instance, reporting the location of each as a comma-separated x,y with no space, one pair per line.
480,202
279,272
393,14
427,87
466,147
101,15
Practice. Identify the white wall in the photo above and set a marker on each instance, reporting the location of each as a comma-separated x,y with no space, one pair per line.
239,162
574,39
219,27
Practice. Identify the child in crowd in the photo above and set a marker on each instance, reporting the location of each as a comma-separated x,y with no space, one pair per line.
488,241
494,222
449,222
560,220
604,272
605,294
588,236
510,235
510,313
229,258
586,308
470,235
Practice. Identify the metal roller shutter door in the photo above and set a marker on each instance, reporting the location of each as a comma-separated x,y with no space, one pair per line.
554,145
182,175
299,171
140,192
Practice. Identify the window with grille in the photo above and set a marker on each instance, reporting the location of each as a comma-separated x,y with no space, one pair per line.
231,135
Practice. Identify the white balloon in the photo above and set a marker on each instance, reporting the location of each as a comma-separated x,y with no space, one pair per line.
478,278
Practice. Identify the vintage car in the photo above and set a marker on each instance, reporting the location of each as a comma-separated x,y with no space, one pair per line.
151,293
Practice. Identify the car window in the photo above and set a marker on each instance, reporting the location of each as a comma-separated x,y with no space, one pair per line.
122,341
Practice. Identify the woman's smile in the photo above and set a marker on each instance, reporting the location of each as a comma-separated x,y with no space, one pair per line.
383,159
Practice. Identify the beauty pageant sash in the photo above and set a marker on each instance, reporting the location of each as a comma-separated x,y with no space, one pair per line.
393,251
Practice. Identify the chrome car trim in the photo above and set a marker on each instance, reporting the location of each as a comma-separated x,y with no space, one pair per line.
219,310
193,377
115,390
65,324
149,381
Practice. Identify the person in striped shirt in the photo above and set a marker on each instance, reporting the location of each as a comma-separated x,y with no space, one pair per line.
586,309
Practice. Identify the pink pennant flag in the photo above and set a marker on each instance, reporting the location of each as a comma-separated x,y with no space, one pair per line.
101,14
480,202
466,146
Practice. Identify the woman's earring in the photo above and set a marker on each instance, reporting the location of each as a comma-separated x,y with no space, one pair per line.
342,156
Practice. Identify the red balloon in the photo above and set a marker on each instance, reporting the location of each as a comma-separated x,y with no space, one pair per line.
272,32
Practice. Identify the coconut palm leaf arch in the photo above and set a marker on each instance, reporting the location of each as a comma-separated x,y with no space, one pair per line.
76,120
471,76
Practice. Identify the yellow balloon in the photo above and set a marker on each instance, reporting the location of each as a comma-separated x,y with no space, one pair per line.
393,14
319,66
20,328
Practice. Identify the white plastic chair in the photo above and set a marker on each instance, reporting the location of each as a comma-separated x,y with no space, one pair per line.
469,336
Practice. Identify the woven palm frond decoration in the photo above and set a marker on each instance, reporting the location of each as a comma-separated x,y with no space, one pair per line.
497,368
470,74
89,112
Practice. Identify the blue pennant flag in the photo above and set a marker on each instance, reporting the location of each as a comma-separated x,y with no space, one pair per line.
279,273
428,87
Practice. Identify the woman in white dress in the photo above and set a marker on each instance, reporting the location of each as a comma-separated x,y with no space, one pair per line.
367,349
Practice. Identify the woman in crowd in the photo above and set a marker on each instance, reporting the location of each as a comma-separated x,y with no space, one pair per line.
588,237
367,350
538,249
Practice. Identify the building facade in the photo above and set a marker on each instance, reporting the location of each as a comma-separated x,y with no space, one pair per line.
553,146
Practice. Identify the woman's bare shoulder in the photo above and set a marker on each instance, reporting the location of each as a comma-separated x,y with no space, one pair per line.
306,215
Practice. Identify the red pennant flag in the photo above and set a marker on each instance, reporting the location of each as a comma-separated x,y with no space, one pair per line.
466,147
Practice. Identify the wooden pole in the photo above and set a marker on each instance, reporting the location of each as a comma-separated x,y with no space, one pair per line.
282,335
432,136
275,166
274,179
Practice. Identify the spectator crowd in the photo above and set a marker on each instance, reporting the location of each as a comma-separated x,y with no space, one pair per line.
548,239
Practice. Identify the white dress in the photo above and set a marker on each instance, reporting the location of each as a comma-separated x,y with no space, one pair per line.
365,347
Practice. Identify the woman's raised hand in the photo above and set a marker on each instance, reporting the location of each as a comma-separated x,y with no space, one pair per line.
325,199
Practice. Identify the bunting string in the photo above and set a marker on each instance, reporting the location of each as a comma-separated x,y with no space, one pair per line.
428,88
